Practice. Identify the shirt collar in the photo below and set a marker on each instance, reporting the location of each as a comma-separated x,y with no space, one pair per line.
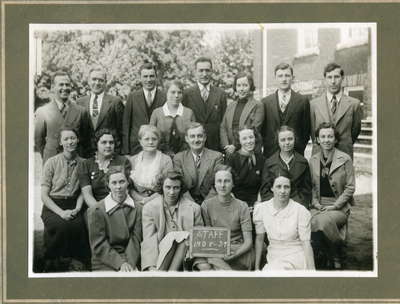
111,205
61,104
195,155
153,92
99,96
201,87
281,94
329,96
167,112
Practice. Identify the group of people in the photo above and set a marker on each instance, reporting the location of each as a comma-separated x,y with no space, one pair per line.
132,181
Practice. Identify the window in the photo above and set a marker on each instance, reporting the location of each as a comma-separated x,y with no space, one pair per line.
307,42
352,36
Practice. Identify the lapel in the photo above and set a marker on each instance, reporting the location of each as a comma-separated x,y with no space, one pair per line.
105,106
54,109
189,165
323,108
275,107
337,161
290,107
141,102
211,104
158,99
161,219
71,113
229,118
248,107
295,169
344,104
198,103
204,166
130,219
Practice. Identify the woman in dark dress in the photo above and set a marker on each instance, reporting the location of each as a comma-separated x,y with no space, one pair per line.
92,171
247,166
293,164
65,235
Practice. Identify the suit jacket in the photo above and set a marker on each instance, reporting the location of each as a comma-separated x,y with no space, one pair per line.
300,178
297,117
252,115
136,114
347,121
198,181
209,113
49,121
341,179
110,117
189,215
114,238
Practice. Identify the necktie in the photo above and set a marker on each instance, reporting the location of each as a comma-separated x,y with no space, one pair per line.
204,94
334,104
283,103
63,110
197,161
149,98
95,108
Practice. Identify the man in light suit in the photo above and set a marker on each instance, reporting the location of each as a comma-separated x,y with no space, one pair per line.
56,114
104,110
139,107
207,102
197,164
344,112
285,107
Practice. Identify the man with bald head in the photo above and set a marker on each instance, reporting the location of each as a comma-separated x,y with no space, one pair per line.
103,110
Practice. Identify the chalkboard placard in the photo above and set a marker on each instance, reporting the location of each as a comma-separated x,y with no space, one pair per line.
210,242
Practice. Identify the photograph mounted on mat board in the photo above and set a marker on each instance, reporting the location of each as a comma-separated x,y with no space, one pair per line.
109,61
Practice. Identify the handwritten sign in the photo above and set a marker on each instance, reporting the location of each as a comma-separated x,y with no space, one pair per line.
210,242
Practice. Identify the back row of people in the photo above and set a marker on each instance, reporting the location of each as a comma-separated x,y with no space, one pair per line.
172,111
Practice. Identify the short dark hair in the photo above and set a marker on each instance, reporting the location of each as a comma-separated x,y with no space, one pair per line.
104,131
333,66
223,167
250,79
327,125
175,82
282,173
114,170
98,69
203,59
283,66
147,66
172,175
236,135
63,129
60,74
285,128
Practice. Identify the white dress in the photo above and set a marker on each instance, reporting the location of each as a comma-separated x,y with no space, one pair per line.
286,229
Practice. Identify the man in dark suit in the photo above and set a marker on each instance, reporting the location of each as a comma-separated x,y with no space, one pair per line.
56,114
104,110
285,107
344,112
197,164
207,102
139,107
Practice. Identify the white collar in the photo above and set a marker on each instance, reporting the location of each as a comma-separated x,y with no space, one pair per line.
153,91
195,155
61,104
99,96
167,112
110,204
201,87
281,94
329,95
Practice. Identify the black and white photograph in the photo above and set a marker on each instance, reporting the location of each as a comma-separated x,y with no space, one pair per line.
203,150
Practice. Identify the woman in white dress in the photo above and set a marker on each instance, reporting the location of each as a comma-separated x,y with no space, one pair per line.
287,224
148,165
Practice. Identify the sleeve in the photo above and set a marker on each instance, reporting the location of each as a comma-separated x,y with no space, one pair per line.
349,188
119,115
258,116
258,218
223,134
126,125
312,122
315,188
223,104
198,220
304,223
127,166
204,213
84,133
153,118
266,183
192,117
149,250
356,123
132,250
99,244
48,173
306,124
84,174
306,186
245,219
40,131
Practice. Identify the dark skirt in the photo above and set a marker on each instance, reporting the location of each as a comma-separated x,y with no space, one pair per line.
65,238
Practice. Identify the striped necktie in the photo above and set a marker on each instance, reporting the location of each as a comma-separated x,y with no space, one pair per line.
95,108
334,104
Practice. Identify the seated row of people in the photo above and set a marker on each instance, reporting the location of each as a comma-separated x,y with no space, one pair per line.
331,174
